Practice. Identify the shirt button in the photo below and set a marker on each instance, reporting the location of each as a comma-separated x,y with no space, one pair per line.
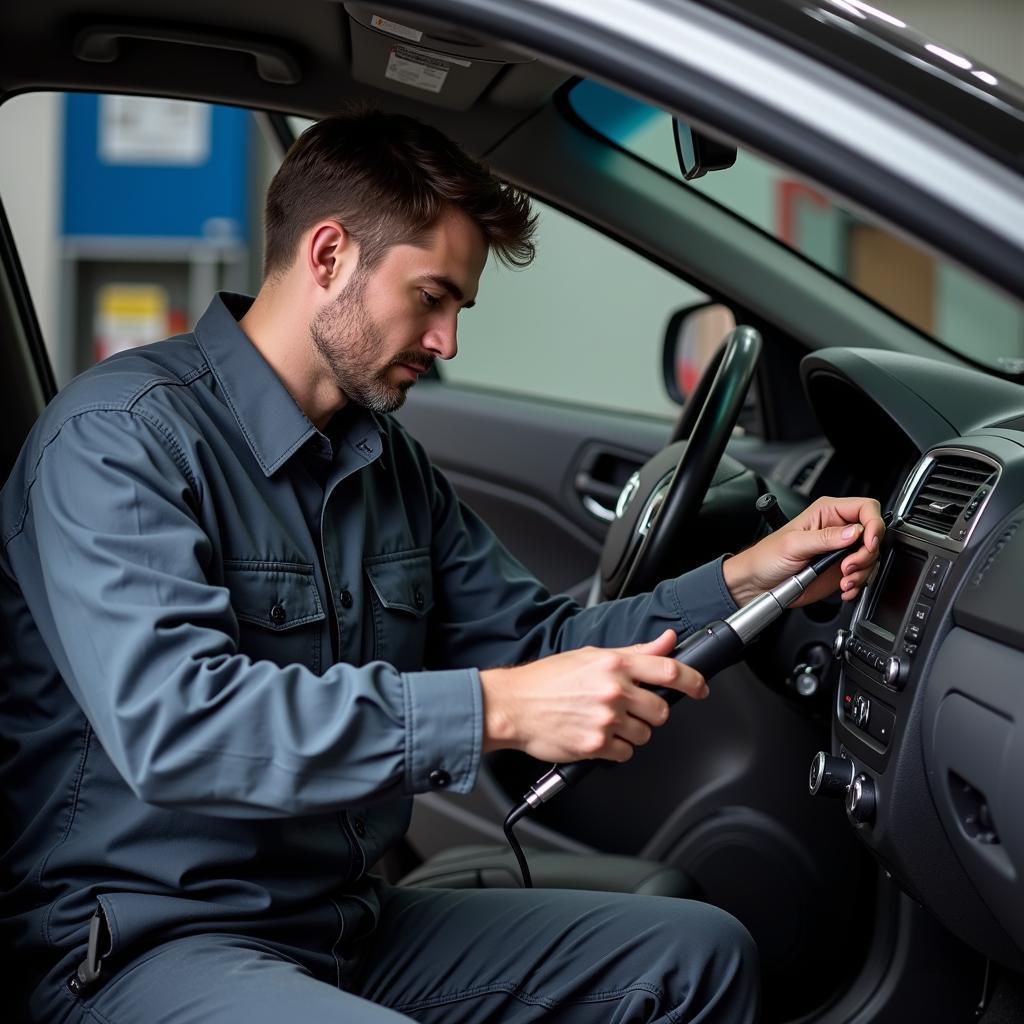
359,827
439,778
346,599
278,615
418,599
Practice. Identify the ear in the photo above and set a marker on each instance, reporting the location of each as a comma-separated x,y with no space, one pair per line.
331,254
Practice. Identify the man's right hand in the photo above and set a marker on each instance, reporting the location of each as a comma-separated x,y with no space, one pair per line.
586,703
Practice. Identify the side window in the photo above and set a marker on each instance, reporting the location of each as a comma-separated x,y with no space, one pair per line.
583,324
129,213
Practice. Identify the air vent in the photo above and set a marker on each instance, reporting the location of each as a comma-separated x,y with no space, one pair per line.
949,487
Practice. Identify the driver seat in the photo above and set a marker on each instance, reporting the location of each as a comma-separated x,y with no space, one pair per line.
495,867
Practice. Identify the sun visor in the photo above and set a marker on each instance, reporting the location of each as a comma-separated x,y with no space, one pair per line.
432,64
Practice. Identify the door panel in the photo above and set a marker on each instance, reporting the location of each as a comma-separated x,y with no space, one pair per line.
526,466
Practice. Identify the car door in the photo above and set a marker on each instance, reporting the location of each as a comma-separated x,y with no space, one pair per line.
556,397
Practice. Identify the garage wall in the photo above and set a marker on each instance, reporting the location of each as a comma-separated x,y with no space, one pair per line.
30,188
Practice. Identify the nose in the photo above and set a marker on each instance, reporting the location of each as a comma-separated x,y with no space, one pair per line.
441,340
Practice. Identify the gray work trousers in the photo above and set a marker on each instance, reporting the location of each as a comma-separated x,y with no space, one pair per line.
456,956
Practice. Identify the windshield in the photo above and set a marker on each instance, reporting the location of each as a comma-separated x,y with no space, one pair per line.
944,302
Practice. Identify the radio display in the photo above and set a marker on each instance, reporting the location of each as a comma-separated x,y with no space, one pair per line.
896,590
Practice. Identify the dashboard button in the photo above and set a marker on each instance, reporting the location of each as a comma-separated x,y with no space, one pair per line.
919,616
861,710
909,649
913,633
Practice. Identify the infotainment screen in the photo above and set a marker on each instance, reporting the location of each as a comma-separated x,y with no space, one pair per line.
896,590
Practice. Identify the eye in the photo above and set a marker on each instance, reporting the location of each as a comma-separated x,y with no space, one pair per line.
429,300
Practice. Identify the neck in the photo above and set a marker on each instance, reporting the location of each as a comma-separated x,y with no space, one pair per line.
270,324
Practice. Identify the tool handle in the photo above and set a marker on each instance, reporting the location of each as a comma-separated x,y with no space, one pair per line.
709,650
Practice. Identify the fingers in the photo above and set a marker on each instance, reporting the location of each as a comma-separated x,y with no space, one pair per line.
659,645
654,670
637,711
833,523
828,512
633,731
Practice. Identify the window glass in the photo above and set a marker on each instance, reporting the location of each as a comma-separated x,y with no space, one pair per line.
584,323
129,213
950,305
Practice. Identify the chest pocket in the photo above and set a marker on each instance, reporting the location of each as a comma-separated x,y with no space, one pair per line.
279,612
401,595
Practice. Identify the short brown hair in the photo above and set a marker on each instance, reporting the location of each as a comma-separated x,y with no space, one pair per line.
387,178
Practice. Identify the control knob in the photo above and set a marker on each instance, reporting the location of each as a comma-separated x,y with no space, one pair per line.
839,642
860,800
894,672
829,775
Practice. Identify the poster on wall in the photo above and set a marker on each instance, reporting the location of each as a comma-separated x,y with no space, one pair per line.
129,315
144,130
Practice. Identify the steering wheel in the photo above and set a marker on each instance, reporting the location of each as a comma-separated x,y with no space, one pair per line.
662,498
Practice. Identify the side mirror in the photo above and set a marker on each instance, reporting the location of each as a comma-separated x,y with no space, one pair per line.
693,338
699,153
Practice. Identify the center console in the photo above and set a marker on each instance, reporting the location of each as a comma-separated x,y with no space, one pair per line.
896,617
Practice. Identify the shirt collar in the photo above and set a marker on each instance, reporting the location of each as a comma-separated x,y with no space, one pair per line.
271,421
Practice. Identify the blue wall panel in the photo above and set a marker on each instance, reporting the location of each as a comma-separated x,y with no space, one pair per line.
120,199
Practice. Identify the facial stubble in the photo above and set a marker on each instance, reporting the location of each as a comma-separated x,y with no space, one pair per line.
352,345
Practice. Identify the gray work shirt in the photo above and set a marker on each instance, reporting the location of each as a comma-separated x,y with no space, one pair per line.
235,647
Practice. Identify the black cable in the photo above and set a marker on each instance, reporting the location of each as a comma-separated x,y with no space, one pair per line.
513,816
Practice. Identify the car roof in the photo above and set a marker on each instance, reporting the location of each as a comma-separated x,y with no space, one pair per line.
46,43
713,62
932,76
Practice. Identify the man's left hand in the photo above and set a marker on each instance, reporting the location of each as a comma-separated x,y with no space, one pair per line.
828,524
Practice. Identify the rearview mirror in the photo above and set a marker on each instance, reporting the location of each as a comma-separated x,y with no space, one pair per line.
699,153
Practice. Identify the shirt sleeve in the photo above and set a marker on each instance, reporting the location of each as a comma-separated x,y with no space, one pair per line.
495,613
116,553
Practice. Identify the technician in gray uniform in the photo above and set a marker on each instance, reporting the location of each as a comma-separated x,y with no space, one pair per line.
245,620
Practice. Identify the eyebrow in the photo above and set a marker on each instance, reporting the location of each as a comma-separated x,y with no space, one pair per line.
450,287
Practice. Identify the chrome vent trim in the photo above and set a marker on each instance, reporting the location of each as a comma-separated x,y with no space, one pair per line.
934,501
945,492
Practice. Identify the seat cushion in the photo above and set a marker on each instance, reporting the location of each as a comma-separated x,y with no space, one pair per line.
495,867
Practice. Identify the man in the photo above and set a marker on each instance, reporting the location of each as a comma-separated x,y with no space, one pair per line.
246,620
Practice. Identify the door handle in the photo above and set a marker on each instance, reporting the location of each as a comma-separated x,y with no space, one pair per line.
601,473
599,490
597,510
599,497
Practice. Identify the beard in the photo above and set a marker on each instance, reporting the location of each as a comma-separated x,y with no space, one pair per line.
353,346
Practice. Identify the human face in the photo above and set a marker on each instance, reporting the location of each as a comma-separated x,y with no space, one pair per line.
388,324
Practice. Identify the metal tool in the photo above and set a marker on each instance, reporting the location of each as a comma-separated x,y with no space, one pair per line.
708,650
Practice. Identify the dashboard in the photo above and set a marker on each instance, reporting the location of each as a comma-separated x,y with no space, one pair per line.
928,715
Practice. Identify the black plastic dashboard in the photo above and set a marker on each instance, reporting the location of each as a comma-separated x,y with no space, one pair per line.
929,707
